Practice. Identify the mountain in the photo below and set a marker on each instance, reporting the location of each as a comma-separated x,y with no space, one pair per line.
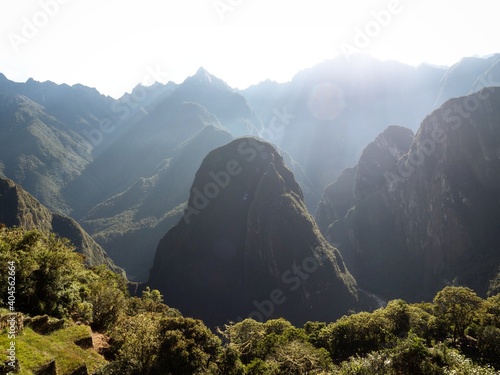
467,76
262,97
131,223
246,245
133,191
19,208
49,133
171,115
230,107
428,216
338,107
104,161
355,185
137,153
78,107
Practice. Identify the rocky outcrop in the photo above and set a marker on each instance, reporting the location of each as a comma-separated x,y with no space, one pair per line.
19,208
246,245
337,199
428,218
356,184
452,195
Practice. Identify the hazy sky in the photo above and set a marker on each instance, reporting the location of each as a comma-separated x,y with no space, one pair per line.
113,45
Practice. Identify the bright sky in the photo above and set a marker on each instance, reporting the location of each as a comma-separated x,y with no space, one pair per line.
113,45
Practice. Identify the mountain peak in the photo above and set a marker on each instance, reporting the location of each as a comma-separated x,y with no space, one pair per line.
204,78
202,71
244,238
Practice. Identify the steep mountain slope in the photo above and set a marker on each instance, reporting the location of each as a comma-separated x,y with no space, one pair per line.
49,133
356,184
247,246
137,153
19,208
467,76
172,114
262,97
78,107
38,151
130,224
435,218
230,107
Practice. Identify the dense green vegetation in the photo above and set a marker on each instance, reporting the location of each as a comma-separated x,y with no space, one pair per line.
457,333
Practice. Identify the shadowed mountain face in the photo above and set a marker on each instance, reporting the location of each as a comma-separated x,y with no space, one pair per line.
354,185
18,208
435,219
246,245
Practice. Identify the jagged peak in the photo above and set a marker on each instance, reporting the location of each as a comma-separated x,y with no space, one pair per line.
205,78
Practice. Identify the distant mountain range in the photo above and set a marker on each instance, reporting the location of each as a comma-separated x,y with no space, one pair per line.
336,134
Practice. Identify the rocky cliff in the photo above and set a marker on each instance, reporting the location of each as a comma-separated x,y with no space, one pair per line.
246,245
429,216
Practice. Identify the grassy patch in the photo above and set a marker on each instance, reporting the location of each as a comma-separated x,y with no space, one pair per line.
34,350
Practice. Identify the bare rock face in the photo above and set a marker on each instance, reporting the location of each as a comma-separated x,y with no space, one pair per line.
379,157
451,216
337,199
246,245
434,221
356,184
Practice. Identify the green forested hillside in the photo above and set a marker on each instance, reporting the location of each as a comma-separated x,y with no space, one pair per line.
79,318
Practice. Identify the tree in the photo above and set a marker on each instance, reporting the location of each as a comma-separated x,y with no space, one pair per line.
187,347
397,312
50,277
136,344
359,333
458,307
298,357
229,362
244,337
107,296
491,313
